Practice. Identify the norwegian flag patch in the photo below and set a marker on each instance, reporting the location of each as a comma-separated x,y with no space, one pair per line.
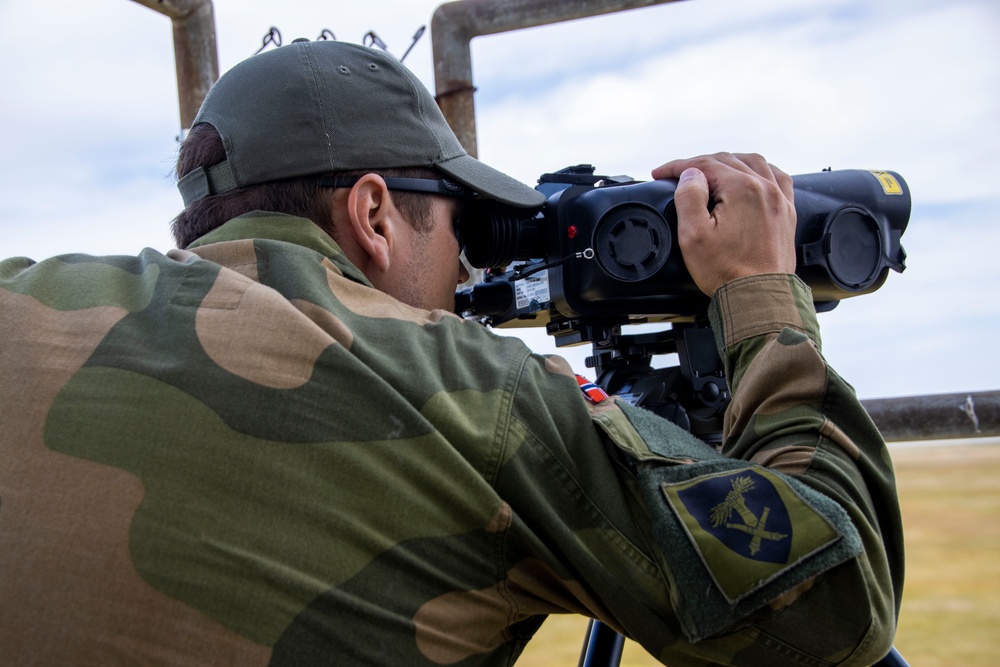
593,393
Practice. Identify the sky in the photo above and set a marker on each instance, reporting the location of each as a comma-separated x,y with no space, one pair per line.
89,107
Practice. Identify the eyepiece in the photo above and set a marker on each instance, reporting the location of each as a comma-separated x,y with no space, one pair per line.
497,235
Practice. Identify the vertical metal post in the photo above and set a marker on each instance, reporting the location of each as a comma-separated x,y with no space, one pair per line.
195,52
455,24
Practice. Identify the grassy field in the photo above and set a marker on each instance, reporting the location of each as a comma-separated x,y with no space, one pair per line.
950,495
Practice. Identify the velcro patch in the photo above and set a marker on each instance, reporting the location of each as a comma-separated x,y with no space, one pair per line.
735,536
747,526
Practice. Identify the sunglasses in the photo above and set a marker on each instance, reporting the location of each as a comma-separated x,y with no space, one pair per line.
431,186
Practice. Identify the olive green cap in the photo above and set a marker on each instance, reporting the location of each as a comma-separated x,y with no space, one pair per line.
320,107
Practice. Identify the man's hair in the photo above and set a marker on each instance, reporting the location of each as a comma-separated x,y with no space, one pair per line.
302,196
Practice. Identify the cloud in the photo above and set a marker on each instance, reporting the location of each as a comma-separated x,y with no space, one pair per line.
805,92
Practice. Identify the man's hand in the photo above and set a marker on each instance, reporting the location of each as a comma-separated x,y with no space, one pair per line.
751,228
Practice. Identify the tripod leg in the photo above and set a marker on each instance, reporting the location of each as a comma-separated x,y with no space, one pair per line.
894,659
602,646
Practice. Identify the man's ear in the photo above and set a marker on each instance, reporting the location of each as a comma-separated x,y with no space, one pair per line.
373,220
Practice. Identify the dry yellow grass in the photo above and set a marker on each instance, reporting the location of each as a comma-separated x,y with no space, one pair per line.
951,514
950,495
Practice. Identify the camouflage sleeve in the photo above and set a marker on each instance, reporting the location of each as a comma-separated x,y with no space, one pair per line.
786,547
792,413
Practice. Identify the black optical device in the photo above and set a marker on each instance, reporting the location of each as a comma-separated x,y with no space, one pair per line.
606,247
602,252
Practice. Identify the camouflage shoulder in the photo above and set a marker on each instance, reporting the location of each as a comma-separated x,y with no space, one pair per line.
77,281
738,535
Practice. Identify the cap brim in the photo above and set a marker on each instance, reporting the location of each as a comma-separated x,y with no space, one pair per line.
488,182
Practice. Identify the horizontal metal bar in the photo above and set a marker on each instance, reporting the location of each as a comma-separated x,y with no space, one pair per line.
939,416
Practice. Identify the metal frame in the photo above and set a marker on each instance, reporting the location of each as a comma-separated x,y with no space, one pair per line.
455,24
937,416
195,52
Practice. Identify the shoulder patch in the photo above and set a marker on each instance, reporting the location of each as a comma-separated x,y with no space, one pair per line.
747,526
739,536
591,391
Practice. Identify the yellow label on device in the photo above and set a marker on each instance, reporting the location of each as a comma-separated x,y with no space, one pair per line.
890,185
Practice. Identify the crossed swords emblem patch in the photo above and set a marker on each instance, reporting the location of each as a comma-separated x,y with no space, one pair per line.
747,526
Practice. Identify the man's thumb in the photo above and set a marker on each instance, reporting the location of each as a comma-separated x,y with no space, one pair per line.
691,195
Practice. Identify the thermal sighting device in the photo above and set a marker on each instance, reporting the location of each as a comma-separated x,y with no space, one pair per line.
605,247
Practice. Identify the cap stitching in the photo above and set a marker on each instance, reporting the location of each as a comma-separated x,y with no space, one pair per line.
312,66
418,98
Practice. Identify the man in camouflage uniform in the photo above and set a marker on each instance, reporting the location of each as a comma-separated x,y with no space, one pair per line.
277,446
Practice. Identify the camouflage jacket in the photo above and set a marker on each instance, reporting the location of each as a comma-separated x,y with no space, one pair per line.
243,454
